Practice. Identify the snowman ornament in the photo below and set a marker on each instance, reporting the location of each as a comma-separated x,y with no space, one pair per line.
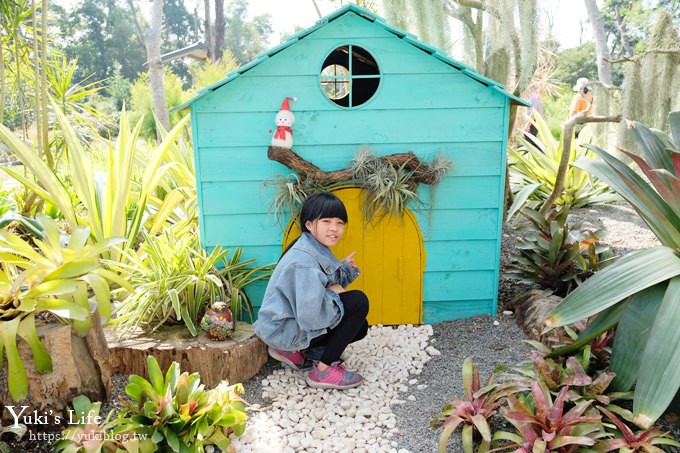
283,136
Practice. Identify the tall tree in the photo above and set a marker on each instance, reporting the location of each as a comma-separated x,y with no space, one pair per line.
245,39
207,26
101,35
220,25
151,35
604,69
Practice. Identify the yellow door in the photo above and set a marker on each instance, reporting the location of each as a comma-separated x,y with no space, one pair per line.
391,257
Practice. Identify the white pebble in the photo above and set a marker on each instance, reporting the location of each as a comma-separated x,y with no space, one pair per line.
356,420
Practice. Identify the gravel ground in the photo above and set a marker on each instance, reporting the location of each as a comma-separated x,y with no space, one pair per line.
434,382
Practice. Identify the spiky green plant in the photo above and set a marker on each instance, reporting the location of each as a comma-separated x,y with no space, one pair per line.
174,279
52,278
290,191
535,165
112,203
554,254
641,291
89,432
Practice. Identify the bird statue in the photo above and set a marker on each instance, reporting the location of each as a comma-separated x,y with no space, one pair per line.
218,322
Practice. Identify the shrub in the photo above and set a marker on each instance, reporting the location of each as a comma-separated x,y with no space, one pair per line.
554,255
175,279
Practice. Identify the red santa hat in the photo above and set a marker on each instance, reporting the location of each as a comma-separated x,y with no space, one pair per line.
285,105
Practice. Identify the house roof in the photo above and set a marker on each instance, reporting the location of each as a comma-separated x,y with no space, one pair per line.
364,13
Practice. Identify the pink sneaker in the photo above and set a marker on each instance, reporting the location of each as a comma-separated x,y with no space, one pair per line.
294,359
336,376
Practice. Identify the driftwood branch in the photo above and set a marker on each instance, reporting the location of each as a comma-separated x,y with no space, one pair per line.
421,171
636,58
567,135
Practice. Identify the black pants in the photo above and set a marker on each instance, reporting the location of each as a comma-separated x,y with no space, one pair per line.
353,327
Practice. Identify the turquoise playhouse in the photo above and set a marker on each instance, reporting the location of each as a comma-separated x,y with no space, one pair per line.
353,82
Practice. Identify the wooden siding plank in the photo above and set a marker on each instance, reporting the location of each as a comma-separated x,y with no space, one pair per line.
263,255
464,192
239,164
350,24
417,90
356,127
250,163
460,285
458,224
461,255
239,197
435,312
244,229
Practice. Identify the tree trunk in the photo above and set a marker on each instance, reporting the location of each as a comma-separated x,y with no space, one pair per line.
208,30
604,70
43,86
220,25
156,72
3,84
625,44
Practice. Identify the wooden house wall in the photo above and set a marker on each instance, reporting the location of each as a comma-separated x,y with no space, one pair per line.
422,105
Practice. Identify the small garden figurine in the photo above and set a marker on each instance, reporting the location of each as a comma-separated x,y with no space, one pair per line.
283,136
218,322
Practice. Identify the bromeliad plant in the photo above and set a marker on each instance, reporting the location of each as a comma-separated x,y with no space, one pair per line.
474,412
45,276
177,413
625,440
641,291
555,255
89,432
555,374
542,425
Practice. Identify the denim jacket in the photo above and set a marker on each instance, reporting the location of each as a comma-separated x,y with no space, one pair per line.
297,305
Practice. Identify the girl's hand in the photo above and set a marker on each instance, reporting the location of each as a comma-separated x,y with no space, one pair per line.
337,288
351,261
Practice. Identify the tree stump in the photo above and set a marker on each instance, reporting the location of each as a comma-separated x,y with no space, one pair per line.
80,365
236,359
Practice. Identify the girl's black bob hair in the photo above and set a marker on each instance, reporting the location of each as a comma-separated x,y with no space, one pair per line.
321,205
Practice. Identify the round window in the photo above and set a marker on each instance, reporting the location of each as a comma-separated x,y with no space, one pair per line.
349,76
